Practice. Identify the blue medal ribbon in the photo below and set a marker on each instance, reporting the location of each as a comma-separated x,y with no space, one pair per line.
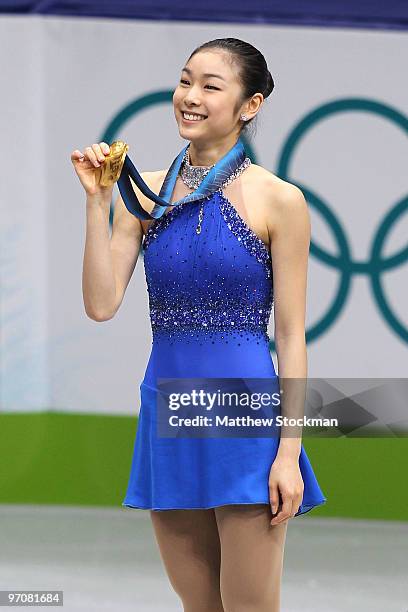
211,182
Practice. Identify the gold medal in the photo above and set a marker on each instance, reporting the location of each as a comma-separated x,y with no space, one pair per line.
110,170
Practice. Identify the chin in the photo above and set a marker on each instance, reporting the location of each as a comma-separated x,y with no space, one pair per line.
192,134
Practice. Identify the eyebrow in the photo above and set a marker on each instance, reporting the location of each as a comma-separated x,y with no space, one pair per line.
206,74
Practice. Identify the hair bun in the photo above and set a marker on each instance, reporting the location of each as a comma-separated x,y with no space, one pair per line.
269,85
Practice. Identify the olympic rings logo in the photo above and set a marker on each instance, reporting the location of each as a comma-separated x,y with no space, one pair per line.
376,264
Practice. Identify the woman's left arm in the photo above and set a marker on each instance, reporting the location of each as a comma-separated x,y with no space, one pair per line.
290,232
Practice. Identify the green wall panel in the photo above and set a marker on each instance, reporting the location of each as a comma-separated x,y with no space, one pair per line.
81,459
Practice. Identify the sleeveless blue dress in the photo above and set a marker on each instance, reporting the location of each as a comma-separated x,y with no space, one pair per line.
210,299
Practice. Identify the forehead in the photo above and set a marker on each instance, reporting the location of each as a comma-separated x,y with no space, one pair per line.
209,63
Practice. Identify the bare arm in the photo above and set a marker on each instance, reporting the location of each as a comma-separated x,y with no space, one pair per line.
109,262
290,251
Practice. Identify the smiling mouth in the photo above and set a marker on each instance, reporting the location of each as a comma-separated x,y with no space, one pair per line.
193,114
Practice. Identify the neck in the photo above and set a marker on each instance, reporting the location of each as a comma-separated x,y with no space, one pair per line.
209,154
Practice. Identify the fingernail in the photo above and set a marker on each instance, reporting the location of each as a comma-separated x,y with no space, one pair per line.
97,164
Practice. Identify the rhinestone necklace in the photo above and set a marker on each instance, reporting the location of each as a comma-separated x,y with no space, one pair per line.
193,175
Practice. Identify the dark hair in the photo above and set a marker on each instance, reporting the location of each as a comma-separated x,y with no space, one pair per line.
252,69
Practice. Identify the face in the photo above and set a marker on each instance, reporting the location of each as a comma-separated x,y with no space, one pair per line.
213,98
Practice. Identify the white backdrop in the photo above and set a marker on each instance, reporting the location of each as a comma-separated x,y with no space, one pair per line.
64,81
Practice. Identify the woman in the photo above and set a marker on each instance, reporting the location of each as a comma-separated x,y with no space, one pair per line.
214,266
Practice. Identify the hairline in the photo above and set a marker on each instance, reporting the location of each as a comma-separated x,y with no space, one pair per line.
205,74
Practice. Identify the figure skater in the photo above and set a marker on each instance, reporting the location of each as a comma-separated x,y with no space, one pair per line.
214,268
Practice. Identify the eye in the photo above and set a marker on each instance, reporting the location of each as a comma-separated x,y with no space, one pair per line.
184,81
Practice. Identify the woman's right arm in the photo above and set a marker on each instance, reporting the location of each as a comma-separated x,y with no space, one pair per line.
108,261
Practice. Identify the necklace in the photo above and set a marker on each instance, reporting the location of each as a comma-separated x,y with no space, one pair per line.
193,175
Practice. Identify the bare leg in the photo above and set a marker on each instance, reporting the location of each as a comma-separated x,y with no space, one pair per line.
251,558
190,549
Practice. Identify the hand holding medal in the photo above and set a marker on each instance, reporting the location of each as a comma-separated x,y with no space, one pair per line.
100,166
111,168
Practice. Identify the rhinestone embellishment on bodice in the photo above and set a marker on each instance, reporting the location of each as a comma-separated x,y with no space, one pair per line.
218,282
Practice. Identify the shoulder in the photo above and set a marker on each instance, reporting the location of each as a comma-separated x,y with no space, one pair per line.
277,191
156,177
153,178
284,202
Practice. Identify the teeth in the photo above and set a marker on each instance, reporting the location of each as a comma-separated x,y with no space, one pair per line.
193,117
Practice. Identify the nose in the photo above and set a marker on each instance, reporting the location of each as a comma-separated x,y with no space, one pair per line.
191,98
192,103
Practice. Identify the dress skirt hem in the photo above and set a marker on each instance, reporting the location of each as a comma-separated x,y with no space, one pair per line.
302,510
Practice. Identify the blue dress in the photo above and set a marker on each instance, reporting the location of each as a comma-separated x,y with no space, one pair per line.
210,299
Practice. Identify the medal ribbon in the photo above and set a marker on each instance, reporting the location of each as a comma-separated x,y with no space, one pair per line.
211,182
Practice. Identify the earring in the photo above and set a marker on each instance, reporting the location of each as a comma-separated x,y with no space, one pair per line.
244,118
